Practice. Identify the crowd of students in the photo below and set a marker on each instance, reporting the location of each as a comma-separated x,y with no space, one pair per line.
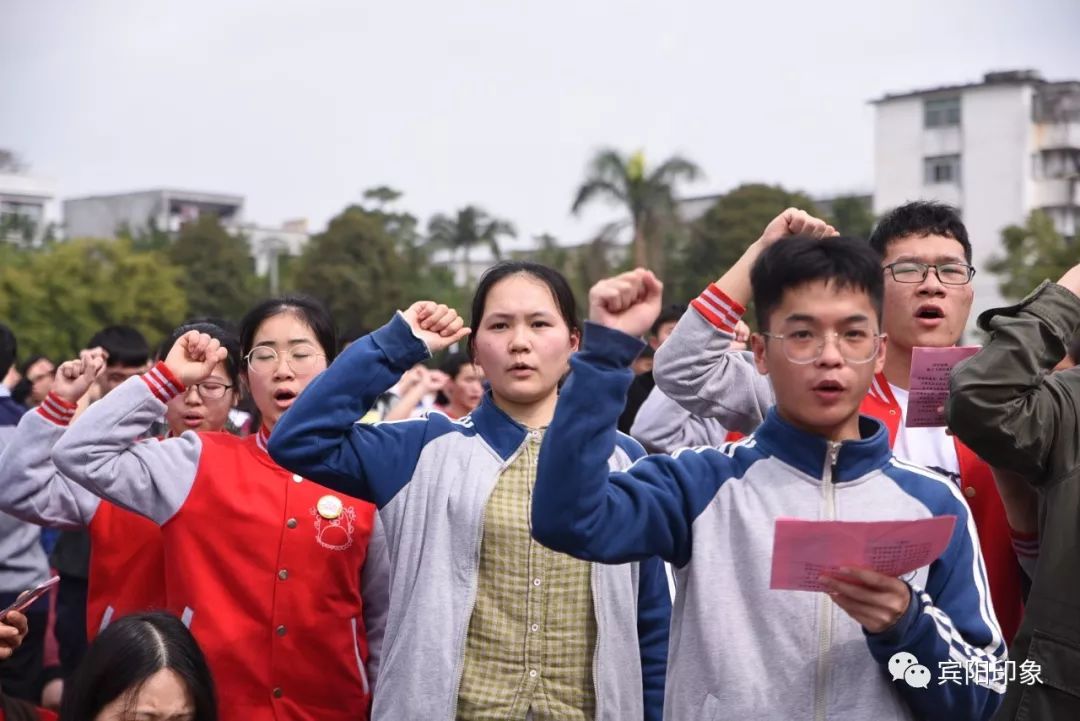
478,540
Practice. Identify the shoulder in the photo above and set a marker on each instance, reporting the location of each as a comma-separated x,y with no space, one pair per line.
937,492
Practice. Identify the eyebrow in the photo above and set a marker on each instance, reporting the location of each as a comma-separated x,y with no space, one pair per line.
939,259
534,314
294,341
804,318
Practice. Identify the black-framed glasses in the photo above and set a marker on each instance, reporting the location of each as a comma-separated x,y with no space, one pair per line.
803,347
301,358
211,390
910,271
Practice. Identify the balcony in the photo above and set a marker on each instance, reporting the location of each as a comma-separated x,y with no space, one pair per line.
1056,193
1053,136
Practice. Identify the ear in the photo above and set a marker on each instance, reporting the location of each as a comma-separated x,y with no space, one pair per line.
757,345
879,362
575,341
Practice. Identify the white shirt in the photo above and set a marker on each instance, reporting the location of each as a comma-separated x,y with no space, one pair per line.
931,448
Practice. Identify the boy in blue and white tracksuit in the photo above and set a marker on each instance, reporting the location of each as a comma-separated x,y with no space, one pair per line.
739,650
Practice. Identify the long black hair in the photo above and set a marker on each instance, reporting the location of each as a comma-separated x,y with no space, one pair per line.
126,654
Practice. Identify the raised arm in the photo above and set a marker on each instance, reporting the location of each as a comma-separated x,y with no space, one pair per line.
150,477
1005,404
697,368
582,508
663,426
319,436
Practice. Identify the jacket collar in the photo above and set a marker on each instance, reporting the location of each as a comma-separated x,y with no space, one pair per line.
809,453
502,433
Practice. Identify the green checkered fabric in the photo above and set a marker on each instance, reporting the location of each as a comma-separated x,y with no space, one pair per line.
532,635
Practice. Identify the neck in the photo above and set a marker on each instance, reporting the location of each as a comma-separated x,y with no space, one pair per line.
457,411
536,414
898,366
848,430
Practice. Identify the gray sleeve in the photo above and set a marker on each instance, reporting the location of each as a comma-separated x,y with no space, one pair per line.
375,588
696,368
664,425
31,488
100,452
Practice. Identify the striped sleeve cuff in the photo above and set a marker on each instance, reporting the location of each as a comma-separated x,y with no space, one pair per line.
1026,545
56,410
162,383
714,305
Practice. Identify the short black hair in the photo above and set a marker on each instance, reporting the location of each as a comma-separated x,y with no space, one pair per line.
843,262
226,336
920,218
670,314
553,279
126,346
308,309
130,651
452,364
9,349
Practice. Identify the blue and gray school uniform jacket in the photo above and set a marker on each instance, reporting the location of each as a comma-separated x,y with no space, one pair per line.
738,649
431,479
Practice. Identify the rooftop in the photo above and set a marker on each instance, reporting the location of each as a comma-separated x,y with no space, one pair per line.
999,77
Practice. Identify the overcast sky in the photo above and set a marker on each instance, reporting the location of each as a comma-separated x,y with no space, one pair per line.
299,106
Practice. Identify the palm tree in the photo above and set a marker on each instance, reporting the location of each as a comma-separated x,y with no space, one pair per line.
471,226
648,196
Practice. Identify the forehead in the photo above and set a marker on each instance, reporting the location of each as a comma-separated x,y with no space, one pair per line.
520,294
824,303
924,248
40,365
283,328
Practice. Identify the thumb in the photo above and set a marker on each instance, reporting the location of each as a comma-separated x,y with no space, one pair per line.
459,335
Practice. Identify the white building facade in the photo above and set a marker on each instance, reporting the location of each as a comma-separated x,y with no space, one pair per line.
997,150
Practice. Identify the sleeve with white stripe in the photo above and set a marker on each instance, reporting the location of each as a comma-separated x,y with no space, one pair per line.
697,369
99,452
950,627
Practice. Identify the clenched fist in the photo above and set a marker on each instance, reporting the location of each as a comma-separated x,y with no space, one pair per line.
629,302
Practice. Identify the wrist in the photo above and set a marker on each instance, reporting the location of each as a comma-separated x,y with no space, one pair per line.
57,409
163,382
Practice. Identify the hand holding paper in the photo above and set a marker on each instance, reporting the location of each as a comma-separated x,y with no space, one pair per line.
929,388
803,551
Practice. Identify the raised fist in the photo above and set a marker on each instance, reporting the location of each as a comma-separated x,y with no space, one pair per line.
194,357
75,377
439,326
795,222
629,302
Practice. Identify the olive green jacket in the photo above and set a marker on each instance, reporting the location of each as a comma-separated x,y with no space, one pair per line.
1007,406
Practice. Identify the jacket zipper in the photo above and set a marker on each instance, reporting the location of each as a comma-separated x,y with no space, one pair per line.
476,581
365,686
825,612
595,574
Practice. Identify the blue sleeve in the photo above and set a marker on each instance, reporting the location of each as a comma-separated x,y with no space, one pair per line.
950,624
654,622
320,438
583,509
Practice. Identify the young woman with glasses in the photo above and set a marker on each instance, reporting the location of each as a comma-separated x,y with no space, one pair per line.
273,573
126,557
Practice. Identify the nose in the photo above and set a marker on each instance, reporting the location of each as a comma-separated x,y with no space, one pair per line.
192,397
519,339
831,357
283,371
931,284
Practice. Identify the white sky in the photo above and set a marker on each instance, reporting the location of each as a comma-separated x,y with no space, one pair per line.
300,106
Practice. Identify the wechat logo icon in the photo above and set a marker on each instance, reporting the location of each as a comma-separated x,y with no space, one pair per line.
903,666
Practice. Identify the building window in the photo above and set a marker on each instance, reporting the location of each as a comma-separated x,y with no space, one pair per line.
941,112
941,169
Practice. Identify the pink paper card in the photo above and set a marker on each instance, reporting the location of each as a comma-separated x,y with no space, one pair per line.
929,386
804,550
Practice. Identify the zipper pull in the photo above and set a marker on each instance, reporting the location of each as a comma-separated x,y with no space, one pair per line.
834,453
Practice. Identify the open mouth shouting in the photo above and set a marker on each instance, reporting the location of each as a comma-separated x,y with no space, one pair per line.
929,315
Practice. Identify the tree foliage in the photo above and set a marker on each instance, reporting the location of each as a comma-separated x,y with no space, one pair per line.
56,298
721,236
217,272
1034,252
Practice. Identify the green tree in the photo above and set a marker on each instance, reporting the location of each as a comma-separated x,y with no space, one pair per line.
218,274
471,226
56,297
648,196
356,268
852,216
1034,252
717,240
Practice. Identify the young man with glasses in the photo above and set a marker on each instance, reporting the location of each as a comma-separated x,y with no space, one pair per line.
740,649
926,259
